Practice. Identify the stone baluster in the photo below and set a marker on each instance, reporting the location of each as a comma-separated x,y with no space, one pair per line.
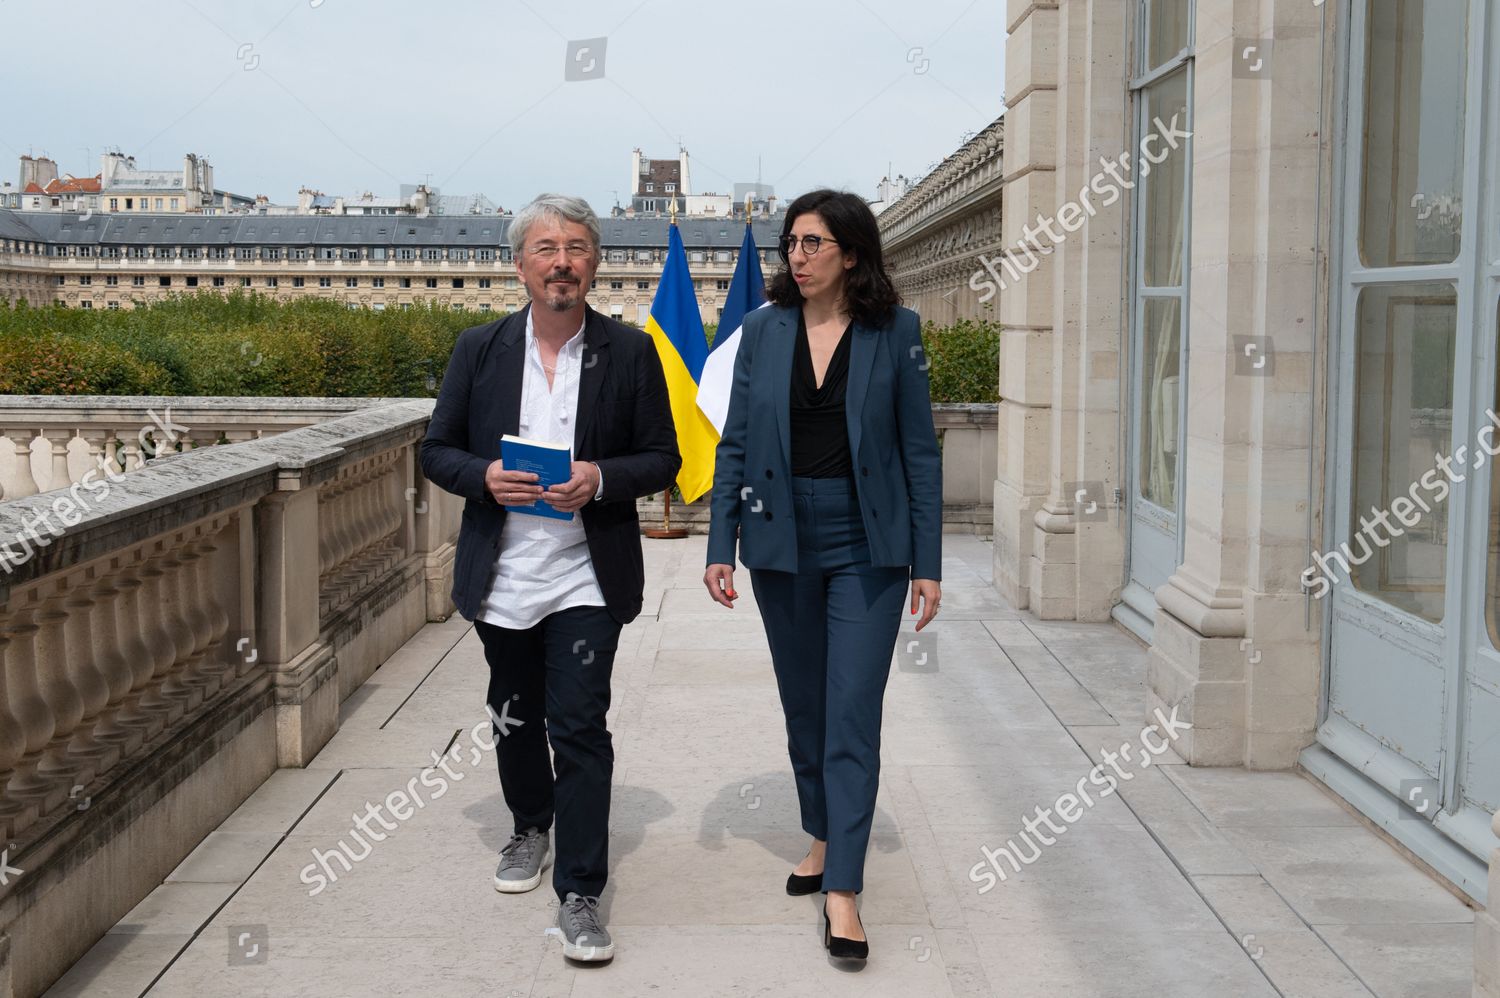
122,724
156,629
25,788
370,521
96,438
359,512
329,523
87,675
60,477
24,483
346,526
325,534
393,497
378,559
147,656
194,614
170,606
12,748
130,444
359,519
206,577
58,766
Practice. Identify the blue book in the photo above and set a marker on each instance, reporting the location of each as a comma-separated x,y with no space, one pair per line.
552,462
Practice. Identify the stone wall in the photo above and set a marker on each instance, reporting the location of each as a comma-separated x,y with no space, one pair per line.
171,636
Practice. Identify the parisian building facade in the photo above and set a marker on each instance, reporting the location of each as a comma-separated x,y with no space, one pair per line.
104,261
1250,263
933,233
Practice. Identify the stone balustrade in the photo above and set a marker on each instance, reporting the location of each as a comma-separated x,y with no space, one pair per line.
967,435
171,635
48,442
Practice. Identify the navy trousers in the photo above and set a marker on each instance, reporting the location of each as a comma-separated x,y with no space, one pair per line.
832,628
554,679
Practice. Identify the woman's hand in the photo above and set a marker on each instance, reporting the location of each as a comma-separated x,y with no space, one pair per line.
930,593
720,582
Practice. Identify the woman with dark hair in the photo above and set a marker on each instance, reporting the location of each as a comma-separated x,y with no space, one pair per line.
827,474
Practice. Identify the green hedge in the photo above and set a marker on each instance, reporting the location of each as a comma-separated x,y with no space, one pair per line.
965,361
208,343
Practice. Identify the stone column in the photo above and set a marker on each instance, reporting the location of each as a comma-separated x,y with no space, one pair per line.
1086,324
1025,300
1230,644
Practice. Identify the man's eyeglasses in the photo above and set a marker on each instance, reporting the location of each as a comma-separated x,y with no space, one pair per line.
810,244
546,251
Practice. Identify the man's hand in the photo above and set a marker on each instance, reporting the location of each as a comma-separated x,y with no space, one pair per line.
720,582
572,494
512,488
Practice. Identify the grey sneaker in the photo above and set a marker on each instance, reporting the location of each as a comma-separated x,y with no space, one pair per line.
521,862
584,936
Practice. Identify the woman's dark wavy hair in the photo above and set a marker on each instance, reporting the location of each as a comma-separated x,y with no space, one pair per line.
871,296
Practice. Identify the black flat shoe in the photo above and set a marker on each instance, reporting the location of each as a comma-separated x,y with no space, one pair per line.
840,948
797,884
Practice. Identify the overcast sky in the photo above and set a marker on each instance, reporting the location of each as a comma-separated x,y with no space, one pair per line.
352,95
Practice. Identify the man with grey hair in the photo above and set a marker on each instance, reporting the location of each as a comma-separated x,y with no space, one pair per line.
549,596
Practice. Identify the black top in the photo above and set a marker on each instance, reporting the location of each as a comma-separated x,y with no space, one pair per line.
820,437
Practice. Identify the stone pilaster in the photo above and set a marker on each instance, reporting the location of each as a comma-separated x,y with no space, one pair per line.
1231,643
1091,125
1025,311
307,695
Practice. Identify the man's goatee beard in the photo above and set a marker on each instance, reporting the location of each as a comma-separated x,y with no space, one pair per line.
563,300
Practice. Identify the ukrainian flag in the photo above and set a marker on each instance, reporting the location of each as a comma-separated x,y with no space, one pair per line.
677,328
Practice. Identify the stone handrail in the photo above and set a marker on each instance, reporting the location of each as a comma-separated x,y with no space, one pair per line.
218,603
51,440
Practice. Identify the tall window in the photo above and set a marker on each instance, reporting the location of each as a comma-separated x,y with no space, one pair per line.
1162,91
1407,296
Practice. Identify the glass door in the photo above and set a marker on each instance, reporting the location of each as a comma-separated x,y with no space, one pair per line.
1162,97
1405,698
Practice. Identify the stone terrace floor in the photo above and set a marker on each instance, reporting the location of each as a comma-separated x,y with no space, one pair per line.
1188,882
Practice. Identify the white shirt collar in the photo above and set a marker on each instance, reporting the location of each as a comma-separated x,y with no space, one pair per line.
574,343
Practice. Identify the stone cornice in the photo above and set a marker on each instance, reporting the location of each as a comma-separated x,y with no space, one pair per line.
953,181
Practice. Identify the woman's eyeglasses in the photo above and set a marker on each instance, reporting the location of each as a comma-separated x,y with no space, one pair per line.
810,244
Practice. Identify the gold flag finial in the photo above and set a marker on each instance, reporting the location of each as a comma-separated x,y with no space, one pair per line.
672,210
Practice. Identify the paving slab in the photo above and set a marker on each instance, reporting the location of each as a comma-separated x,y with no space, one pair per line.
1178,882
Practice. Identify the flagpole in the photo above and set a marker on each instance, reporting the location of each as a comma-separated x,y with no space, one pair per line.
666,531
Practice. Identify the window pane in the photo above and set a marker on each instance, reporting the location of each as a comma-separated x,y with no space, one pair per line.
1413,132
1492,590
1166,31
1164,189
1161,376
1403,422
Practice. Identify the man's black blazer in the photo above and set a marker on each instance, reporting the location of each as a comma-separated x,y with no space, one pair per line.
624,424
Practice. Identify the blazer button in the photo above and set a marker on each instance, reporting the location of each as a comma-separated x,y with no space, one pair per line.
864,471
875,513
768,473
768,514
